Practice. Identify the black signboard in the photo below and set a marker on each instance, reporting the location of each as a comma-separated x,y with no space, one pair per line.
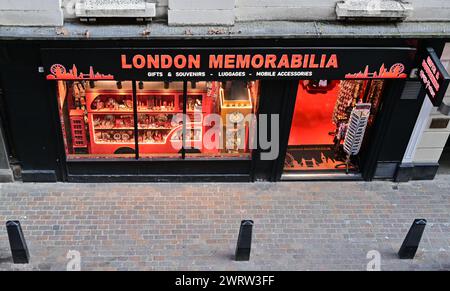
172,64
433,76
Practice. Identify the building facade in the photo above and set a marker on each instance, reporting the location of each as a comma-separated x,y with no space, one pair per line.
429,141
229,91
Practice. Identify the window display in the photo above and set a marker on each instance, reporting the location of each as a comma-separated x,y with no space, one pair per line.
110,119
321,121
98,119
233,103
160,120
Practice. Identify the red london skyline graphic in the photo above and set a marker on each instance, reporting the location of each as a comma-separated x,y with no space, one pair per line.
395,72
59,72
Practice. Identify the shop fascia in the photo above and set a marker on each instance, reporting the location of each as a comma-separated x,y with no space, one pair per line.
230,61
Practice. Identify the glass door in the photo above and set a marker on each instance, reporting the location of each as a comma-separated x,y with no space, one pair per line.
330,123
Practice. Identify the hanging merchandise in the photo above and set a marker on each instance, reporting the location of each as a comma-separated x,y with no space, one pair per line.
349,93
356,129
374,95
341,130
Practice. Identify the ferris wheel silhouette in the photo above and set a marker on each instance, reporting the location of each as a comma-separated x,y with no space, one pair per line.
397,68
57,68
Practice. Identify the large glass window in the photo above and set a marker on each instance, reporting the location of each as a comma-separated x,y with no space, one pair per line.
108,119
229,122
97,119
159,107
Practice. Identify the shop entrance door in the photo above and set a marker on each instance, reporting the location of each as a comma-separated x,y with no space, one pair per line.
323,122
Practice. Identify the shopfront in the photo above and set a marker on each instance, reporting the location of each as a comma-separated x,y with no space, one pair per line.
187,113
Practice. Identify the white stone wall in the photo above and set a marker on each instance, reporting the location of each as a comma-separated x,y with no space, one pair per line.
423,10
432,141
250,10
430,10
296,10
68,7
201,12
31,12
49,12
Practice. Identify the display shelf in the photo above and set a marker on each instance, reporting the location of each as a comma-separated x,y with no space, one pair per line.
140,111
114,128
132,128
110,102
155,128
116,142
155,112
235,104
152,143
78,130
130,112
157,102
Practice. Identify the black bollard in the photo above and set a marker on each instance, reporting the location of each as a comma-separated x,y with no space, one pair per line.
244,243
412,240
19,249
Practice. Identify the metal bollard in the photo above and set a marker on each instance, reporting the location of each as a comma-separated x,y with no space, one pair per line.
19,249
412,240
244,242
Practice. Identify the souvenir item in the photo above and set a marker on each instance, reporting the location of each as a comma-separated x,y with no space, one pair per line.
119,123
97,122
117,136
349,92
129,103
125,136
198,104
162,117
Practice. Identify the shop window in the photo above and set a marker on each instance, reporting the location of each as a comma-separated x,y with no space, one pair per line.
209,120
160,110
97,119
229,124
320,138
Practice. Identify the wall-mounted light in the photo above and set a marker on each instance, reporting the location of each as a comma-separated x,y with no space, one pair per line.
119,84
414,74
193,84
166,85
141,85
91,84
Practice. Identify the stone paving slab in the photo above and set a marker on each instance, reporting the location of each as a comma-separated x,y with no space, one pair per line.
298,225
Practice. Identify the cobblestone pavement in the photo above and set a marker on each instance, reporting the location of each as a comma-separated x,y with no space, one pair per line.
298,225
